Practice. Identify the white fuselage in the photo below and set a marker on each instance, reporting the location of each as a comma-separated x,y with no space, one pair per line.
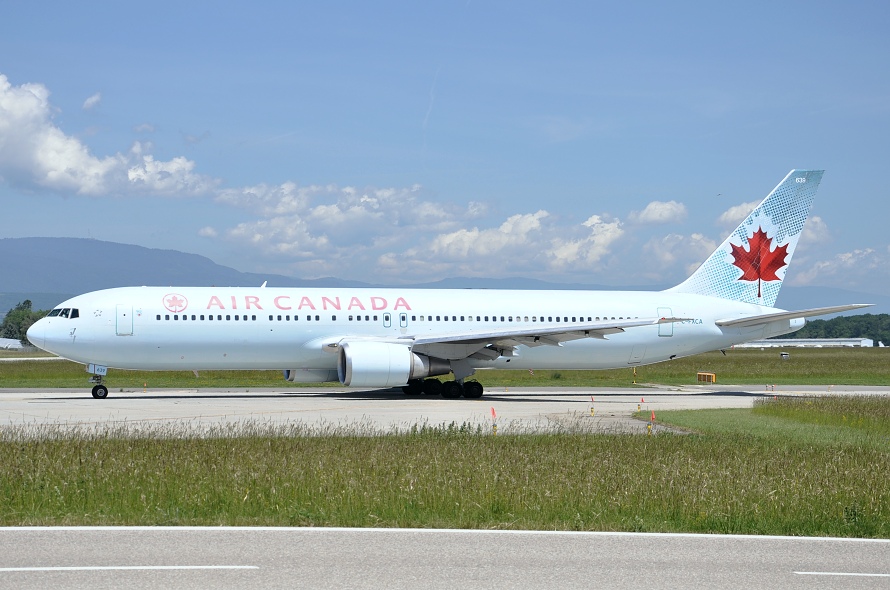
206,328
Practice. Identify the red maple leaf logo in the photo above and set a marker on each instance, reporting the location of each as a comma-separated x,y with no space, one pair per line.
759,263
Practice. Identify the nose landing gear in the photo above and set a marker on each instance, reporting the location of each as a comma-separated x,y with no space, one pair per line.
100,391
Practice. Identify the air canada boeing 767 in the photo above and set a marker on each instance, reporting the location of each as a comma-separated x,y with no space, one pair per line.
407,337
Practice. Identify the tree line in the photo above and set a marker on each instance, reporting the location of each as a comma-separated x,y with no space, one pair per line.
17,321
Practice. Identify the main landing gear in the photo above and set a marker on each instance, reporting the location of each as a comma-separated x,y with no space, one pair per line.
448,390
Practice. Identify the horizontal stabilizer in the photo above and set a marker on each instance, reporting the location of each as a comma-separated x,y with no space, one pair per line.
766,318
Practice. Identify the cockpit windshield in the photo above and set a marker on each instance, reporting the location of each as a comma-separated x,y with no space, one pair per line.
65,312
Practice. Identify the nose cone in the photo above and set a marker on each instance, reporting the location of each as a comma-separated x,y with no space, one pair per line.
37,334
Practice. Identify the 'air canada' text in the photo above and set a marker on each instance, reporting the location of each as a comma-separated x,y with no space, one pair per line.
289,303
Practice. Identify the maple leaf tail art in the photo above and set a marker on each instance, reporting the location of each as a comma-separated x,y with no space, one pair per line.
759,263
760,248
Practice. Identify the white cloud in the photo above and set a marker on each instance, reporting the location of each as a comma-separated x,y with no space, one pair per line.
36,154
463,244
208,232
733,216
815,231
92,101
861,269
589,250
660,212
675,250
144,128
172,178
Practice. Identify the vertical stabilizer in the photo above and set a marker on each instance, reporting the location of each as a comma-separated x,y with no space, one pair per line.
750,265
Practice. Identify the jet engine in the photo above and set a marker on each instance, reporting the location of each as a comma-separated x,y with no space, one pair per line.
384,364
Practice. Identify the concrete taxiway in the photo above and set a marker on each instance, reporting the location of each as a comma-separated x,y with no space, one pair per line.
512,409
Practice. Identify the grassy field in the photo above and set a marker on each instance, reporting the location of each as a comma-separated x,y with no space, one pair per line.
826,366
784,468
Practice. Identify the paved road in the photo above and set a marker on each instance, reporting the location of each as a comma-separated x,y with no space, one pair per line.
397,558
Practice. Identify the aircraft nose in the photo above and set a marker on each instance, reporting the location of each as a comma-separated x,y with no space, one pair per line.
37,334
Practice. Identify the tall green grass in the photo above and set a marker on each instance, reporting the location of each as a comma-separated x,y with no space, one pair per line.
449,476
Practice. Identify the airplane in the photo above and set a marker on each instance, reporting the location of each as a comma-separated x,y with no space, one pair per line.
381,338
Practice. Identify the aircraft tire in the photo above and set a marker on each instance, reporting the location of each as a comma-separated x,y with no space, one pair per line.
473,389
451,390
432,386
414,387
100,392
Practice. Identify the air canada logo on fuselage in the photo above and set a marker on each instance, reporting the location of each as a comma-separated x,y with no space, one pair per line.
175,303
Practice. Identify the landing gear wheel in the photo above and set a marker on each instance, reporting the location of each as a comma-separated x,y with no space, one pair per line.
100,392
473,389
451,389
432,386
414,387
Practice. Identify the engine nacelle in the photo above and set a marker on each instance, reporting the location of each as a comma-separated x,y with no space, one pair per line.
384,364
310,375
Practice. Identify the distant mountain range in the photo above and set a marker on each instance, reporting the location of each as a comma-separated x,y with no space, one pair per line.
50,270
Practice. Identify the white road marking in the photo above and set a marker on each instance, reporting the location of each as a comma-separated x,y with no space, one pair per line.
861,575
95,568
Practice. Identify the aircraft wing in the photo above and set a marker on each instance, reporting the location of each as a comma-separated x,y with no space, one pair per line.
766,318
463,344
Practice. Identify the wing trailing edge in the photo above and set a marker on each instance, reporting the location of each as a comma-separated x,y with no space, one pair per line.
767,318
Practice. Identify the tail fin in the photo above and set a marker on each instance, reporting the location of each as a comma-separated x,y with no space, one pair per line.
750,265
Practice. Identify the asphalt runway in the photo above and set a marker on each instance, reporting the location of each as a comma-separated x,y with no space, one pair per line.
511,409
185,557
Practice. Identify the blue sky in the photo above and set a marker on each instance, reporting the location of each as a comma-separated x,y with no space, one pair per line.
612,144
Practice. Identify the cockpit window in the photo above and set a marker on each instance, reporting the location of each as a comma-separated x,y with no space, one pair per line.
66,312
